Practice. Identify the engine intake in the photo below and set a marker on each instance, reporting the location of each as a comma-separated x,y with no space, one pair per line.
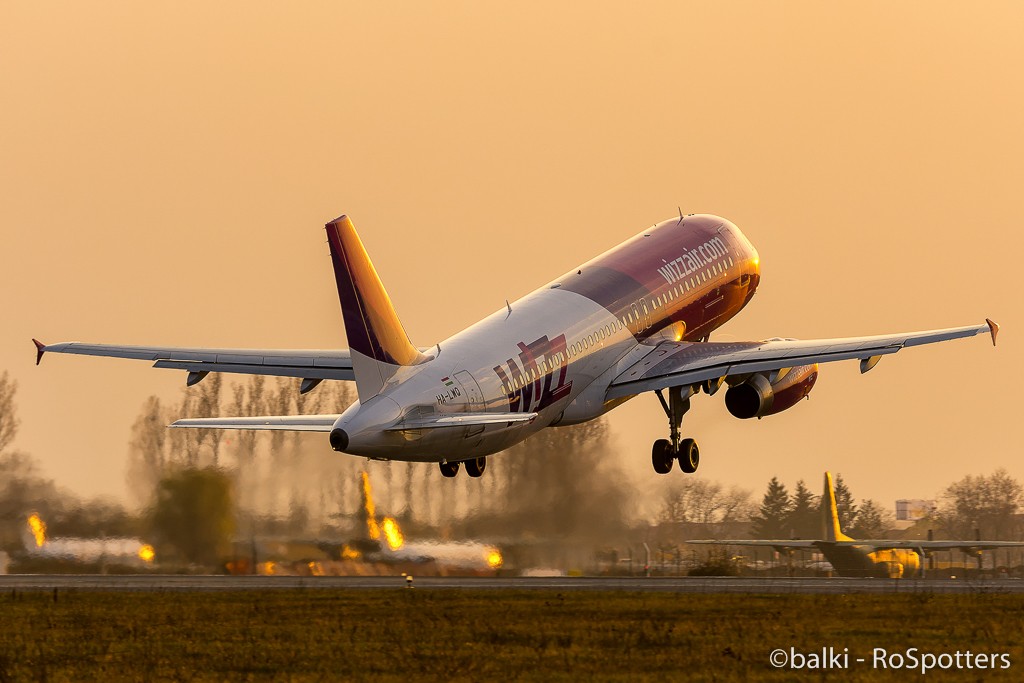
758,397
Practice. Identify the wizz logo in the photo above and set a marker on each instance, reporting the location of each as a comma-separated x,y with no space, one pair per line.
540,379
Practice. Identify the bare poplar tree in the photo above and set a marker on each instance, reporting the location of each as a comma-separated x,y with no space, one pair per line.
149,449
987,503
8,414
705,502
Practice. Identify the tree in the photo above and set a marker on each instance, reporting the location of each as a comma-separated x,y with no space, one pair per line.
845,506
872,521
988,504
193,515
584,494
23,490
704,502
805,516
8,413
147,449
773,516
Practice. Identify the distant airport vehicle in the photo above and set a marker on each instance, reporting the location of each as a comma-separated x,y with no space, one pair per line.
869,557
637,318
130,552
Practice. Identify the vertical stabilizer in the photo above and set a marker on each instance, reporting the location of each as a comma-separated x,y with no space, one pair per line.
376,337
830,513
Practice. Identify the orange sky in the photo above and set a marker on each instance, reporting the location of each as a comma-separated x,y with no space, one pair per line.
166,171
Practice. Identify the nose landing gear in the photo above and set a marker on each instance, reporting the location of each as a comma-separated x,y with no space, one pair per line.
685,451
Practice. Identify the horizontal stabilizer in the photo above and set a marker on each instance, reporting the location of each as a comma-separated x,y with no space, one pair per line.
463,420
285,423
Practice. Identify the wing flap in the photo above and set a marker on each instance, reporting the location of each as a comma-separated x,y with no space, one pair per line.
288,423
682,363
247,369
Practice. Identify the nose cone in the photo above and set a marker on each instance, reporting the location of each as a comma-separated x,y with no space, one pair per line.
339,440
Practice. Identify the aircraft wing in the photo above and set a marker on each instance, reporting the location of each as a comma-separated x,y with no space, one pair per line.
288,423
966,546
307,364
778,544
680,363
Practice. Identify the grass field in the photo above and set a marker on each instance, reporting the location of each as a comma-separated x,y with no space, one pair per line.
485,635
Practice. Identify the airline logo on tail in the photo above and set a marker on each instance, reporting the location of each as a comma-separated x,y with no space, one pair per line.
371,324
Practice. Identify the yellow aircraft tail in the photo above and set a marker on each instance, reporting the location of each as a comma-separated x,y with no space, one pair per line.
830,513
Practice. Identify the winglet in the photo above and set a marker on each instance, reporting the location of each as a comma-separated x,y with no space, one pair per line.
993,327
40,350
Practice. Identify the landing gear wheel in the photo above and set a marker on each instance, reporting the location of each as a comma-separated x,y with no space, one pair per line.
684,449
689,456
476,466
662,456
449,469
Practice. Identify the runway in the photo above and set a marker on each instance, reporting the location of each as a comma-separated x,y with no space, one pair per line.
832,586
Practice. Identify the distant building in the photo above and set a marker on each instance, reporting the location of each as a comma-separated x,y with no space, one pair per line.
913,509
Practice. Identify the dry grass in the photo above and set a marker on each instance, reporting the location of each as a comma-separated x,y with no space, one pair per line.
399,635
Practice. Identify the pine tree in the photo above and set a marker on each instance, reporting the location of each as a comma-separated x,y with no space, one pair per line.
872,521
772,519
844,505
804,517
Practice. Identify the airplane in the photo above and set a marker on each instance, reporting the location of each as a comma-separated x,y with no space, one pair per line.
382,543
445,555
130,552
885,558
637,318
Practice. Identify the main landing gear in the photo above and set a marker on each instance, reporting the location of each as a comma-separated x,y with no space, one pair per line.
474,467
665,451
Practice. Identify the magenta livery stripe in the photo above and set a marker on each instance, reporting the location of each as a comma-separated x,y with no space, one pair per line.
628,280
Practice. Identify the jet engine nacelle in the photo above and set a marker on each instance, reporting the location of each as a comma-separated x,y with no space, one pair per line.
758,395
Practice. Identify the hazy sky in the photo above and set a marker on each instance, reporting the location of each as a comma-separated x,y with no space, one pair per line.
166,171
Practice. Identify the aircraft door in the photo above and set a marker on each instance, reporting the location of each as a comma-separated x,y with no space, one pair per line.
474,399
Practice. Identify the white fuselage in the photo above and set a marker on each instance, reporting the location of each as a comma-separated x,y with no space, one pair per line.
556,351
